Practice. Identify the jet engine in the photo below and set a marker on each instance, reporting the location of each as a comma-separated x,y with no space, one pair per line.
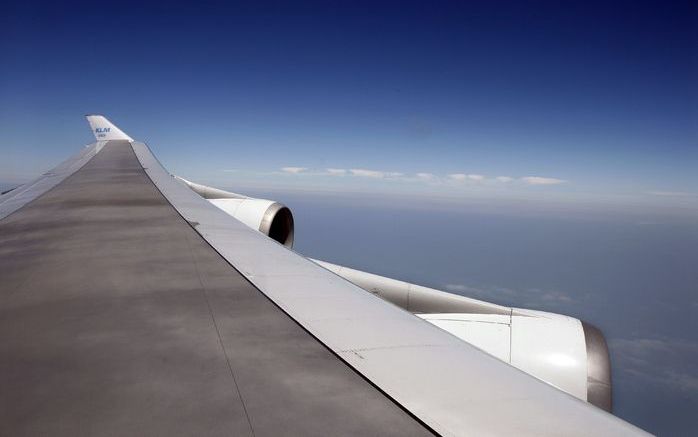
266,216
565,352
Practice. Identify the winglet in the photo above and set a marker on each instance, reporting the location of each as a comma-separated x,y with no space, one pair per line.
105,130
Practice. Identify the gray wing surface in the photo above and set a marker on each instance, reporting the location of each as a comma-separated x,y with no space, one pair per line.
130,305
12,200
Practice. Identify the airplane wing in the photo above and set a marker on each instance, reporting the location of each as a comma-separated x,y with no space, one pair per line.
129,305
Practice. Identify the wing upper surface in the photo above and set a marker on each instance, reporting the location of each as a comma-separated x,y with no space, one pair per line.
453,387
20,196
117,318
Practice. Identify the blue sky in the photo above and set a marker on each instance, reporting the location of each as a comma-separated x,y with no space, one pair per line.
595,101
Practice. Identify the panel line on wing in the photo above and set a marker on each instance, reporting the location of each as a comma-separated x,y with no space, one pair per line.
218,333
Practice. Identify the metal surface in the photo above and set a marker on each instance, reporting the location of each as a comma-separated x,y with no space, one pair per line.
598,368
117,318
104,130
209,192
266,216
453,387
274,220
16,198
561,350
415,298
277,224
545,345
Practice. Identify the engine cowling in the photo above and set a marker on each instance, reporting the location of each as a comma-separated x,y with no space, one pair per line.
271,218
268,217
563,351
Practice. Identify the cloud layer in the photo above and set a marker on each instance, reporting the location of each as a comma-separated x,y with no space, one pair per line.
336,171
293,170
465,177
538,180
362,172
471,178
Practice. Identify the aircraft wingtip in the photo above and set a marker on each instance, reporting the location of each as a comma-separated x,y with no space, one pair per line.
105,130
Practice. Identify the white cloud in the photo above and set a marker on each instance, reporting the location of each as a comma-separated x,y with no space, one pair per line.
367,173
293,170
336,171
457,287
463,177
538,180
426,177
362,172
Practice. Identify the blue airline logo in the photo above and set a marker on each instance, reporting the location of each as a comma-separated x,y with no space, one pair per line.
102,131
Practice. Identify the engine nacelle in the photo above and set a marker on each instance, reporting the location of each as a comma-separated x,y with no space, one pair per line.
563,351
266,216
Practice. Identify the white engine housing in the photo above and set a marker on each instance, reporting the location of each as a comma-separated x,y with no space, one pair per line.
266,216
270,218
565,352
548,346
